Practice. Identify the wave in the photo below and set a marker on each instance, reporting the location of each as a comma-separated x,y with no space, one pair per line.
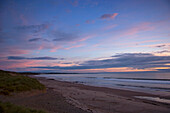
143,80
137,78
155,88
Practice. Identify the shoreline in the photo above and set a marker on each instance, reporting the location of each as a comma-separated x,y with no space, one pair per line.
68,97
117,91
159,88
102,99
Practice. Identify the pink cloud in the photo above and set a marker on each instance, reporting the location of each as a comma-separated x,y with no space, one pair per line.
109,16
19,64
87,37
128,33
68,11
83,39
87,21
77,25
40,48
75,3
132,31
23,19
136,44
96,45
54,49
14,51
121,69
48,46
20,51
140,28
109,27
90,22
75,46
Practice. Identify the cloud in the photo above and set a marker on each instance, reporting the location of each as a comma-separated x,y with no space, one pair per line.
20,43
160,46
87,37
33,58
109,27
109,16
89,21
23,19
55,48
37,39
77,24
164,70
142,27
131,60
63,36
34,39
164,51
68,10
13,64
74,46
75,3
5,51
33,28
27,38
163,45
49,40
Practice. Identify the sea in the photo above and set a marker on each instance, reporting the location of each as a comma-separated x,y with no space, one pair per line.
152,83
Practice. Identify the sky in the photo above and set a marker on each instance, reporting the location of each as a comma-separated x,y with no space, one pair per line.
85,35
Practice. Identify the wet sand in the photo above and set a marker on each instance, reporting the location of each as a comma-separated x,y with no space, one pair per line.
67,97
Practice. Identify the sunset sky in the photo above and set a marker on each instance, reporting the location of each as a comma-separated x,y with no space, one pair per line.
85,35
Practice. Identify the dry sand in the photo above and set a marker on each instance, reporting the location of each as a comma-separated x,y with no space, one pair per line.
67,97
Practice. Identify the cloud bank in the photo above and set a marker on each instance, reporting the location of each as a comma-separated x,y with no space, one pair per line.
132,60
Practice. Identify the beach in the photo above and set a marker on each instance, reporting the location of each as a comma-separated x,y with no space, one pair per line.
68,97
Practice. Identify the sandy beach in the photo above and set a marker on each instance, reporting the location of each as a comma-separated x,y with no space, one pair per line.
67,97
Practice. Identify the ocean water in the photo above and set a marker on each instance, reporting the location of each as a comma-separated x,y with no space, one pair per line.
153,83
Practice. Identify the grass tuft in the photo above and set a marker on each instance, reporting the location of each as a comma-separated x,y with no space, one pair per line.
11,108
17,83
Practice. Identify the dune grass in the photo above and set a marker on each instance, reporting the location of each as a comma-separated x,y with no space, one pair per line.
14,82
6,107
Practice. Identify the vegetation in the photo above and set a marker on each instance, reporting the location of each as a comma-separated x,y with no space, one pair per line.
14,82
11,108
